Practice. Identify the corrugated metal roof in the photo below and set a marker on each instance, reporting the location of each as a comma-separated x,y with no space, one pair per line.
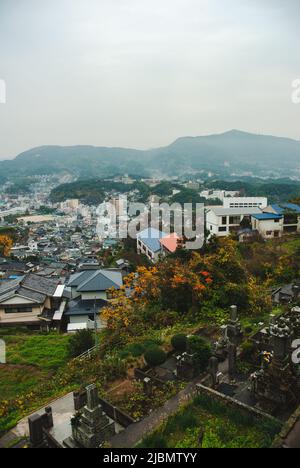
266,216
283,207
170,242
150,237
220,211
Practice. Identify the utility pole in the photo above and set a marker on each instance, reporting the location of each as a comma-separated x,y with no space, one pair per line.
95,323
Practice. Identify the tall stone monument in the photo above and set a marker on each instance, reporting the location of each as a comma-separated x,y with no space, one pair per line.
92,427
234,329
277,382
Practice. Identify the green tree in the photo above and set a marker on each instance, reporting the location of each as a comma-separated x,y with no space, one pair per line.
201,350
155,356
179,342
81,342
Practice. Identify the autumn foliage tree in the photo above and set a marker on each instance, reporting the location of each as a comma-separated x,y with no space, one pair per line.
6,244
215,279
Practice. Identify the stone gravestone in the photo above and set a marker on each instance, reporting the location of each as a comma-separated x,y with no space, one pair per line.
148,387
185,367
92,427
213,367
36,431
234,329
275,384
232,360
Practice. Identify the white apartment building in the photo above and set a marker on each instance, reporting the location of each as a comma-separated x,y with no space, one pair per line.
217,194
268,225
277,220
221,221
245,202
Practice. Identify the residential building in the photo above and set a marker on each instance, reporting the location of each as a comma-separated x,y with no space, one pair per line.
148,243
222,221
30,301
277,220
169,244
88,292
217,194
290,213
156,244
269,225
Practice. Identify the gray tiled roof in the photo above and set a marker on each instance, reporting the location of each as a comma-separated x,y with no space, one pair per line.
33,295
79,307
78,278
40,284
8,286
101,280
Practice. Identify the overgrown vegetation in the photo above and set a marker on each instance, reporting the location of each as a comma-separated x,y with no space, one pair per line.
80,342
206,423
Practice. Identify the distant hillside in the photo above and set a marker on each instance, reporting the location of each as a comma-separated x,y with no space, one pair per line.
93,191
225,153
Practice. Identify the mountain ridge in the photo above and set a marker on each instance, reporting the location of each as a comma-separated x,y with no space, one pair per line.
235,150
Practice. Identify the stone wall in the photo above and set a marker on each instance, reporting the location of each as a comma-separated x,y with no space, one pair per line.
287,438
231,402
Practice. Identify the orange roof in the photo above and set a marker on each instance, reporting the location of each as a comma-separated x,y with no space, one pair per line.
170,242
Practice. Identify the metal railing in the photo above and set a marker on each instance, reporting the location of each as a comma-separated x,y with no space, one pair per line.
87,354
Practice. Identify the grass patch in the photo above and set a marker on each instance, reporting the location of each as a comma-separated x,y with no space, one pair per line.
207,423
32,361
47,352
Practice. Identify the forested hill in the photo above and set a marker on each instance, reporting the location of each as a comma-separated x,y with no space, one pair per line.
224,153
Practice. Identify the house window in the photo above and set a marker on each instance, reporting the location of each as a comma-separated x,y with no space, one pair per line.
224,220
291,218
18,310
222,229
234,220
269,233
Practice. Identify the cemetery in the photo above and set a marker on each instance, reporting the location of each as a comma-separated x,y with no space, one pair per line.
242,392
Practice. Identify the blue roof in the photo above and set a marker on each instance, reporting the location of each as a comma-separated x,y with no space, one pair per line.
150,238
280,209
266,216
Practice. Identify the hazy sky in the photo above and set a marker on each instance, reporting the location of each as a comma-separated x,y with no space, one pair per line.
140,73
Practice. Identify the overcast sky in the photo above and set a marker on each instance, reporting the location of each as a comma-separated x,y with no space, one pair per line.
140,73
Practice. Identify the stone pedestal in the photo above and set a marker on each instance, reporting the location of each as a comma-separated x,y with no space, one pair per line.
213,367
92,427
232,360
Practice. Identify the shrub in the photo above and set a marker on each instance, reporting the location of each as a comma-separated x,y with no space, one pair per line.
154,441
81,342
201,350
179,342
155,356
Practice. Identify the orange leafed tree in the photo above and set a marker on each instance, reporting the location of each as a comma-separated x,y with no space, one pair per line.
6,244
171,285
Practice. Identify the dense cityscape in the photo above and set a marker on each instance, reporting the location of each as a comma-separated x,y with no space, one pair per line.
149,227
